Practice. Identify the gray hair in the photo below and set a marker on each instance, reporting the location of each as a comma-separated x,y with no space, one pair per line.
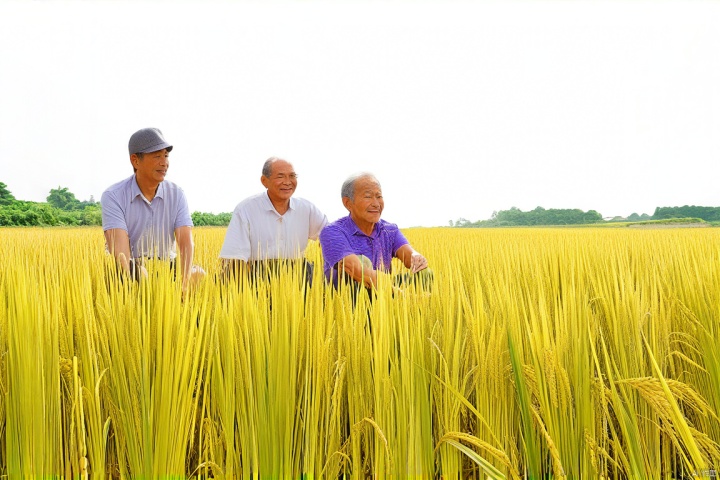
348,186
140,157
267,166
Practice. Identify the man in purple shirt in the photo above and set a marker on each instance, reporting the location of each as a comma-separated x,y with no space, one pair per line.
361,246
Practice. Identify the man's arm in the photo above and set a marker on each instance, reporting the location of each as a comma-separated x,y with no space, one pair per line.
318,220
117,239
118,244
359,270
411,259
184,239
237,237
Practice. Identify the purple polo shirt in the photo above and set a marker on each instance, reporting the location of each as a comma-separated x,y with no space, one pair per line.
343,237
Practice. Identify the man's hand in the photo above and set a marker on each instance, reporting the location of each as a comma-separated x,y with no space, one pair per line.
196,275
417,262
359,268
137,270
412,259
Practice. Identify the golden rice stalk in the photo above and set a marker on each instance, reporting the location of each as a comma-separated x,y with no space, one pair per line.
589,350
472,440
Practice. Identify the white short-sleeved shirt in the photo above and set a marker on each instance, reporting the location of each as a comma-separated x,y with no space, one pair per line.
258,232
150,224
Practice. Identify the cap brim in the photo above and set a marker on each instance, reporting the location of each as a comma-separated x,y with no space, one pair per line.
157,147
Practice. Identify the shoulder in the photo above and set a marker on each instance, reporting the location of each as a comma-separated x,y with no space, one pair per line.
338,227
302,201
343,223
173,195
253,201
387,226
121,185
172,187
117,189
302,204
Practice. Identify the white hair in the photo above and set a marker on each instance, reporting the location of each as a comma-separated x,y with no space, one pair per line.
348,186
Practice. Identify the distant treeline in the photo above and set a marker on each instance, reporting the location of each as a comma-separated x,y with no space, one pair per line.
709,214
538,217
201,219
63,208
554,216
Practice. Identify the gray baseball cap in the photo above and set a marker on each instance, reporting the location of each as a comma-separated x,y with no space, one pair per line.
148,140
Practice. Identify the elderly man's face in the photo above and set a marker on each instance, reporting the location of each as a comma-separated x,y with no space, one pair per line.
152,167
367,205
282,182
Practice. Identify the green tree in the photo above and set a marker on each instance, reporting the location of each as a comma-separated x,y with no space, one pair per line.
540,217
709,214
6,198
592,216
201,219
63,199
92,215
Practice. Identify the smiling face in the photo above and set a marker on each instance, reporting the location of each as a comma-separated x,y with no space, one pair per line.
367,203
151,167
281,183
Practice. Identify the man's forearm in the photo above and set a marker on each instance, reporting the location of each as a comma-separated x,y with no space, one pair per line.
187,251
118,245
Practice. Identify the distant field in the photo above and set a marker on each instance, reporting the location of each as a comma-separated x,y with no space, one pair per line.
538,353
666,223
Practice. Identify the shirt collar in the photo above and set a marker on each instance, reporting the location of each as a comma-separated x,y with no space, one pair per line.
135,189
269,206
356,230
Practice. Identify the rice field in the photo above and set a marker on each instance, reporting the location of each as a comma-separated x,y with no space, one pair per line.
539,353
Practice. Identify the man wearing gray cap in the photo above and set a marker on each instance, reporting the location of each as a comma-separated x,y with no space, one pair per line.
144,216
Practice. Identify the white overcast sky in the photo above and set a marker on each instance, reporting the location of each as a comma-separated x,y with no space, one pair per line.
459,108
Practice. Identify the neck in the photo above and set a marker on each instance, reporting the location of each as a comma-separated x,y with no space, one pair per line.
280,206
365,227
147,187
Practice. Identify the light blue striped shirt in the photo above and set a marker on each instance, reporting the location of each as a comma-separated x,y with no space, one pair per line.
150,224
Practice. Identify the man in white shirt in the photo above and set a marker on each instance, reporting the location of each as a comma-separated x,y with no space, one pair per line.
272,228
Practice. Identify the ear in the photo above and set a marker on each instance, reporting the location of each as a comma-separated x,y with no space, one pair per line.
347,202
134,159
265,181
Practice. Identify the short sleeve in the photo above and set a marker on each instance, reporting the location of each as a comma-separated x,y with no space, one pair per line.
318,221
183,218
237,239
112,213
334,244
398,241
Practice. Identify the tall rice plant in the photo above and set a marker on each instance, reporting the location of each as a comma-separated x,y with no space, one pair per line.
538,353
